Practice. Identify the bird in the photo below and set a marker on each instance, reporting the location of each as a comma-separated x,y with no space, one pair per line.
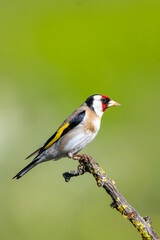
74,134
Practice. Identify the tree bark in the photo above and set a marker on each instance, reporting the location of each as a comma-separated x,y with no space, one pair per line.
142,224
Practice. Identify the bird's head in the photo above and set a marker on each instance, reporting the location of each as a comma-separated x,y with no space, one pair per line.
99,103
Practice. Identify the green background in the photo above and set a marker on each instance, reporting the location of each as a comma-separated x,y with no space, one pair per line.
53,55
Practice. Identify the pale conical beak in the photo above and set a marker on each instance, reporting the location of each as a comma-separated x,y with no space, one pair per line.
112,104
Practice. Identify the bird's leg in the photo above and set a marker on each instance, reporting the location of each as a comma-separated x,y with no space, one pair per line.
81,157
70,155
74,156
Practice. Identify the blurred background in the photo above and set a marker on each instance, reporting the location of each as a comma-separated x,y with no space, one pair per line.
53,55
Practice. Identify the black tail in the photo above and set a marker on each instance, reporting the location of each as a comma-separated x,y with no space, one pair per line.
26,169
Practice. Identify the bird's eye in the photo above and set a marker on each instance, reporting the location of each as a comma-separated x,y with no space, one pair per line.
104,100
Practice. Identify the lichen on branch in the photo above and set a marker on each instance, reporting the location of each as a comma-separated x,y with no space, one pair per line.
142,224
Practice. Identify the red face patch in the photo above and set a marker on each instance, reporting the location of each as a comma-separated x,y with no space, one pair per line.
104,100
104,106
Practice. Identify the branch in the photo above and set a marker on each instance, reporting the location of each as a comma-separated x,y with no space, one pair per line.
87,164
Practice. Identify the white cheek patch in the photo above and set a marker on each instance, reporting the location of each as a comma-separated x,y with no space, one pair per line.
97,105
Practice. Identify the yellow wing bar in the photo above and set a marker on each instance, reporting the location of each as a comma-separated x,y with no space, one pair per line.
57,136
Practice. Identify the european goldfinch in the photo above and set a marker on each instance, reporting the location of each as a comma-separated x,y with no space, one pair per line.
75,133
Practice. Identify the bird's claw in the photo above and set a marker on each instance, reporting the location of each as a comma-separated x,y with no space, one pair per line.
81,157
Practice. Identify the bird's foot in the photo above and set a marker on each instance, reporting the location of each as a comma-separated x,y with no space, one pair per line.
81,157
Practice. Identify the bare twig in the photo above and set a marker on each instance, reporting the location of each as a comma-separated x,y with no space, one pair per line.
87,164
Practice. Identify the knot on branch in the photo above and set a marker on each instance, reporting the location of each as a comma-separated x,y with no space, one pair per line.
148,220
